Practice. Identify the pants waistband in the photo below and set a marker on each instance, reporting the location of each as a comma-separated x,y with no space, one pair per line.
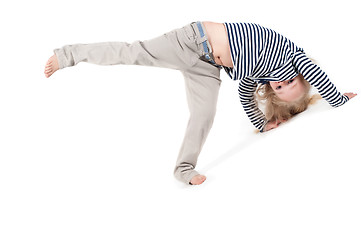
202,39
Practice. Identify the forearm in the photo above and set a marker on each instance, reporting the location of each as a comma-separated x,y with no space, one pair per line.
246,93
319,79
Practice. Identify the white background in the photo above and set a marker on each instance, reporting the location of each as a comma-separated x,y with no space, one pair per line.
89,153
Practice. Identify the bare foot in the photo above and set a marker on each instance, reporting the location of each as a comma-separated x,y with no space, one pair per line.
198,179
51,66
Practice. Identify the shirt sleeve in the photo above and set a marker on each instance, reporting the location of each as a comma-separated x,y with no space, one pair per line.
318,78
246,90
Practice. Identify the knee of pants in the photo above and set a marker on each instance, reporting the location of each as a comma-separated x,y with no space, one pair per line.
203,119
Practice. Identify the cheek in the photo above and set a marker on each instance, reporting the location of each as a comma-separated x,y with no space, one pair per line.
302,89
283,97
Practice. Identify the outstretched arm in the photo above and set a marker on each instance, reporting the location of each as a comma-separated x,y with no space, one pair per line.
319,79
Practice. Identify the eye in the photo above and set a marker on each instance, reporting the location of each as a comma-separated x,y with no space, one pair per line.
290,81
278,87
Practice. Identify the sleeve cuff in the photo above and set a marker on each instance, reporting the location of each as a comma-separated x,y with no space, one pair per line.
263,126
60,56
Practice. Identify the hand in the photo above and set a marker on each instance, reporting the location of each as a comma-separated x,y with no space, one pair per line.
350,95
274,124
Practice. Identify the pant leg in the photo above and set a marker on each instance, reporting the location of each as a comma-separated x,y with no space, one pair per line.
171,50
202,87
179,49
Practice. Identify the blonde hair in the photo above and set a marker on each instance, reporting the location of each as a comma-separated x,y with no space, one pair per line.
277,109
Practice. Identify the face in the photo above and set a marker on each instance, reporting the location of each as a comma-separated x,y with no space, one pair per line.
289,90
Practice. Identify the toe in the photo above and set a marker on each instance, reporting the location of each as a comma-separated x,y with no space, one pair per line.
197,180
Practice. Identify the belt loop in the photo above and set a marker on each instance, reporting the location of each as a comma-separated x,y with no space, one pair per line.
201,40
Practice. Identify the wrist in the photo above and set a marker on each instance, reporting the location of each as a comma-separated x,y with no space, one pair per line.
264,127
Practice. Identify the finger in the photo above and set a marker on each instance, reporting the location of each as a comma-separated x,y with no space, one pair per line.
351,95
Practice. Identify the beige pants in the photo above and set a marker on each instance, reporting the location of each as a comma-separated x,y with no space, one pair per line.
179,49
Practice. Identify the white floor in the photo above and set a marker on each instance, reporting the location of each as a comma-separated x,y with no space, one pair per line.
89,153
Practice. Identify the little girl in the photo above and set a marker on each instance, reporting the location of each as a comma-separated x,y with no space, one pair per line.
255,55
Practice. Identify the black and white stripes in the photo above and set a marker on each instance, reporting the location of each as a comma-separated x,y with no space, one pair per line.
318,78
260,55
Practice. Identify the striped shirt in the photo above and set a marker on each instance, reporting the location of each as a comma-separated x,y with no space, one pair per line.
260,55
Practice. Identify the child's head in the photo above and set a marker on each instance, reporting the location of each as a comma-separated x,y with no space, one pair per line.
290,90
285,99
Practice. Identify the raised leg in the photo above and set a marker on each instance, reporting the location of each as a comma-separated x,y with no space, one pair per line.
171,50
